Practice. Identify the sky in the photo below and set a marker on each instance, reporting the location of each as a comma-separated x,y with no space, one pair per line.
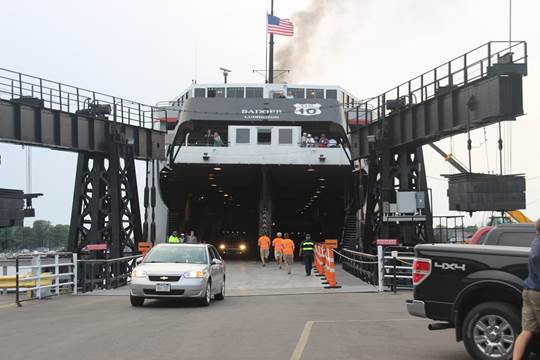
150,51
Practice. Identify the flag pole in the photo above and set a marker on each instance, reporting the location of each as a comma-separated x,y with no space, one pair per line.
266,53
271,51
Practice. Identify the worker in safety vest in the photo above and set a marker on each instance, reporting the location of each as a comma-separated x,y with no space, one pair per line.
264,248
288,252
173,239
306,250
278,249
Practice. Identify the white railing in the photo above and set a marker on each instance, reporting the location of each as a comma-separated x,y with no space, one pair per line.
397,267
46,276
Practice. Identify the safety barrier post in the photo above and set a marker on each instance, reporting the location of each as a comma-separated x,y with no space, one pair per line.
75,273
331,275
320,263
36,272
325,265
315,260
380,262
57,274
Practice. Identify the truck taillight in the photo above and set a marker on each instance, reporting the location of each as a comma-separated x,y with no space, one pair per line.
421,270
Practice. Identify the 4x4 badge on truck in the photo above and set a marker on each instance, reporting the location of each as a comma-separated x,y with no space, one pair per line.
450,266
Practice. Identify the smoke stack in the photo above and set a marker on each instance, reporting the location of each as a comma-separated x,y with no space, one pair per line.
295,55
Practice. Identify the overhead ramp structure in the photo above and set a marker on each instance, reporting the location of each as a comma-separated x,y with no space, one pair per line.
477,89
107,132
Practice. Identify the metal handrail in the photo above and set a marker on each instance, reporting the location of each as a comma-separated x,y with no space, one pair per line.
106,273
59,96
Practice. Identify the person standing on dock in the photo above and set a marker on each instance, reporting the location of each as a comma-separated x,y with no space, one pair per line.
288,252
264,247
530,313
277,243
191,238
173,239
306,250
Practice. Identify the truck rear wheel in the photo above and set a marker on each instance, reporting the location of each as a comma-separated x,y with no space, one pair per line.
490,330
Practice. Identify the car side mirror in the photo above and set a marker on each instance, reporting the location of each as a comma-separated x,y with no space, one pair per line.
216,262
139,260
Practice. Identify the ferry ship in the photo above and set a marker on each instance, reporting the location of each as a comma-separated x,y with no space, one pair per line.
244,159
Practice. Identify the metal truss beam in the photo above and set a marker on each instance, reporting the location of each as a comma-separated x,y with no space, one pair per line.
450,112
105,200
61,130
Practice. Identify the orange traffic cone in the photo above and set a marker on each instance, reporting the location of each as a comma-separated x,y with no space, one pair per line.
331,273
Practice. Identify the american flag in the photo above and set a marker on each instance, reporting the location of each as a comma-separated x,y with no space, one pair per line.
279,26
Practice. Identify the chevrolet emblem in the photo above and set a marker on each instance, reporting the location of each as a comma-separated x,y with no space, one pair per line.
164,278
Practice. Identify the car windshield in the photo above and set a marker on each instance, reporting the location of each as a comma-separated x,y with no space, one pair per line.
177,254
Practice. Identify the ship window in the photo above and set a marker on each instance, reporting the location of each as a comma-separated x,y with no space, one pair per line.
264,136
216,92
315,93
296,93
242,136
235,92
200,92
254,92
285,136
331,94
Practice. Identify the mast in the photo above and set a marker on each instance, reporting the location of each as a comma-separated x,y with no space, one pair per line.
271,51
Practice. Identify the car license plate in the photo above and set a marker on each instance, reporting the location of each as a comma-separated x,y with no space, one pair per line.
163,287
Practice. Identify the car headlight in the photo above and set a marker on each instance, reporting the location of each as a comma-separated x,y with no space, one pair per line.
222,247
138,273
195,274
242,247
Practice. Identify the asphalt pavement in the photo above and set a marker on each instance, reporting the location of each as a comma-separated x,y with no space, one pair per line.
312,326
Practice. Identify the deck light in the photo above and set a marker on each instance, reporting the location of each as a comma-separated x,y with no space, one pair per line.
220,190
310,169
226,195
213,185
321,179
217,168
318,191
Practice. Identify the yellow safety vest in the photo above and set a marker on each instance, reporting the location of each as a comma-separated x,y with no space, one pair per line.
173,240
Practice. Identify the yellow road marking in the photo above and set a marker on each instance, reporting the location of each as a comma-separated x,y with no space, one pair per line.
7,305
300,346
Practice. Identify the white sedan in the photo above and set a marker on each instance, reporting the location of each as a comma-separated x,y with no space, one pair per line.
179,271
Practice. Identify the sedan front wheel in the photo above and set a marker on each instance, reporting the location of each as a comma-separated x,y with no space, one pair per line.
207,296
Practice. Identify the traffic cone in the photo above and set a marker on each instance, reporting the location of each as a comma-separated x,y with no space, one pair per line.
331,273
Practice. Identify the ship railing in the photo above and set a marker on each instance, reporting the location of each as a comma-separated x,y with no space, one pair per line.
48,94
462,70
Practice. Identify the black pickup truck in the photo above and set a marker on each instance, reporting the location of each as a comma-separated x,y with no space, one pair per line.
475,289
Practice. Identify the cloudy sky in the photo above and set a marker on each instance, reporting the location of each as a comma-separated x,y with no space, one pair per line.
151,50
